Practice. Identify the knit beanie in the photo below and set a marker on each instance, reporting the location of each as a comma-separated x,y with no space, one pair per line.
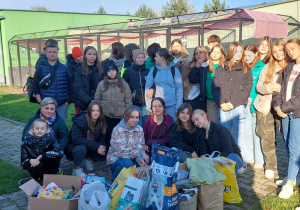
76,52
136,52
110,64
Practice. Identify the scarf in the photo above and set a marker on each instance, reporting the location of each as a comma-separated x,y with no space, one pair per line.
49,120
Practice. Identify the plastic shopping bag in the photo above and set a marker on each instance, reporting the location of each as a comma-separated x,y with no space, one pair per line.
226,166
144,174
131,195
94,197
162,193
118,185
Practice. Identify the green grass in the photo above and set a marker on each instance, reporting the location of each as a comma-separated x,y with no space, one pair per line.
17,107
10,176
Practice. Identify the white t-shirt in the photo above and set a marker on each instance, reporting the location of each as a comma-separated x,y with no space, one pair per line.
293,76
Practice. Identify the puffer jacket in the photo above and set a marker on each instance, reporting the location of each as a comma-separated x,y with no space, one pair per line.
72,65
61,89
136,77
46,145
232,86
279,99
263,100
113,101
84,92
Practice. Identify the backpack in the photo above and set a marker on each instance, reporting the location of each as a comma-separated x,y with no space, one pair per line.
154,75
29,89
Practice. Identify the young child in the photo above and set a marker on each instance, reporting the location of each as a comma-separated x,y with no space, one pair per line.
40,151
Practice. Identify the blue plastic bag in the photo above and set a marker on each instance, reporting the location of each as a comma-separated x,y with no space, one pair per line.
162,192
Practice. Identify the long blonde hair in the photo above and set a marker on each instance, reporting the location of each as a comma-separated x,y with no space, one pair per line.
269,53
271,69
221,61
230,54
183,49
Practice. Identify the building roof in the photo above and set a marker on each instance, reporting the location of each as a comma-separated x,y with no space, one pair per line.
266,4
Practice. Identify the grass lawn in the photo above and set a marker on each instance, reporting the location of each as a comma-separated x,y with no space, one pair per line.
10,177
17,107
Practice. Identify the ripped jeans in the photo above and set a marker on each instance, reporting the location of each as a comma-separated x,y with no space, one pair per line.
237,119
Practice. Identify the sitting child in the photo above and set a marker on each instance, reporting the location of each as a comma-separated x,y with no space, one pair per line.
40,151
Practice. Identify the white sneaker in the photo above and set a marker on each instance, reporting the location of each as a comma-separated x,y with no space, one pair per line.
258,166
88,165
269,174
286,192
242,169
283,181
77,172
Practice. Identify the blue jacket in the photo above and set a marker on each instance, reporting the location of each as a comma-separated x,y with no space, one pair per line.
136,77
72,65
61,89
167,87
84,92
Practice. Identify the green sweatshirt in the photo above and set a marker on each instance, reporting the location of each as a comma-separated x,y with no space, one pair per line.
255,73
209,80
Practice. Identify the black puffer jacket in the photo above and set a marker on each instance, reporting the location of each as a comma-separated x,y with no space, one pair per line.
219,139
72,65
46,145
84,91
136,77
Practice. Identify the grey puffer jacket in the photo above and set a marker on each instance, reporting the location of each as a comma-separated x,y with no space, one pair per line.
113,101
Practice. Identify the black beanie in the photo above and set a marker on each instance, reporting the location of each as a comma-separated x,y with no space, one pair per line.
110,64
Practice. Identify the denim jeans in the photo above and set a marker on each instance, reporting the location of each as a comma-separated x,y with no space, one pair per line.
237,118
62,110
239,162
144,114
171,110
117,166
253,143
291,132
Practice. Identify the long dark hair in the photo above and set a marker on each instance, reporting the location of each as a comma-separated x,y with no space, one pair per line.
120,83
96,63
165,53
118,50
101,120
128,51
191,127
160,100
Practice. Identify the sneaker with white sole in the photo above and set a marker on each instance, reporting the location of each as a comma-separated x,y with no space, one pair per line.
286,192
269,174
88,165
77,172
242,169
283,181
258,166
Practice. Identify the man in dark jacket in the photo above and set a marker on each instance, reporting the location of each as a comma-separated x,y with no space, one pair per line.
53,79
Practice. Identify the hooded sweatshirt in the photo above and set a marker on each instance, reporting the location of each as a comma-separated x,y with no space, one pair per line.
126,143
119,62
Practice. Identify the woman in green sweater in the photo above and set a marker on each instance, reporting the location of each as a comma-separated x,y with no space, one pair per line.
216,58
254,152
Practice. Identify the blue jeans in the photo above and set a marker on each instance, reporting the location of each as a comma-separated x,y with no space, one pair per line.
171,110
291,133
144,114
253,143
62,110
237,118
239,162
117,166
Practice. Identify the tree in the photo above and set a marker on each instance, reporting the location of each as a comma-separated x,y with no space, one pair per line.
145,11
214,5
101,10
39,8
177,7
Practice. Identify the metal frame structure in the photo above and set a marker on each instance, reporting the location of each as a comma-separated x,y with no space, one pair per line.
198,21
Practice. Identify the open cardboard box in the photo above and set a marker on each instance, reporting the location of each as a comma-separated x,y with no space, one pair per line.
62,181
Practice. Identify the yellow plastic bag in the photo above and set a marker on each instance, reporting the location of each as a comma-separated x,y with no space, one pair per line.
116,189
231,191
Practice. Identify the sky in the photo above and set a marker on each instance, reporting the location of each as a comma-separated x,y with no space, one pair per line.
111,6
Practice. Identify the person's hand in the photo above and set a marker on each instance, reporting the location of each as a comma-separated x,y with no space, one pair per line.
101,150
184,60
149,93
147,148
34,162
200,60
254,115
66,103
198,63
142,163
230,106
225,107
275,87
194,155
280,113
146,158
39,157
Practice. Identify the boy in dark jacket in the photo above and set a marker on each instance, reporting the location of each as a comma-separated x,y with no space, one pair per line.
40,151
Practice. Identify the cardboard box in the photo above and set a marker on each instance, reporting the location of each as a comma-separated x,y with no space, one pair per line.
62,181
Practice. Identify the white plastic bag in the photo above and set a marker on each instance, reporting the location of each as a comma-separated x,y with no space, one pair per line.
94,196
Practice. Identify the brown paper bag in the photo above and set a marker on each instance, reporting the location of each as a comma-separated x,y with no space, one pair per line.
190,204
210,197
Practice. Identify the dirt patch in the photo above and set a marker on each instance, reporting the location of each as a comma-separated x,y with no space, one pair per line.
13,90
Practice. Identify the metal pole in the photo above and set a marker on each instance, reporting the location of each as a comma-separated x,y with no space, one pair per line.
99,47
168,38
241,31
39,46
19,62
29,58
199,31
81,42
66,48
11,79
202,34
118,34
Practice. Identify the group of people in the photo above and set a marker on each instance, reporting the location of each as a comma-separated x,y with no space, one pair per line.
126,103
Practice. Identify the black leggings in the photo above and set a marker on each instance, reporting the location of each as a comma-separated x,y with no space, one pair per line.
49,166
